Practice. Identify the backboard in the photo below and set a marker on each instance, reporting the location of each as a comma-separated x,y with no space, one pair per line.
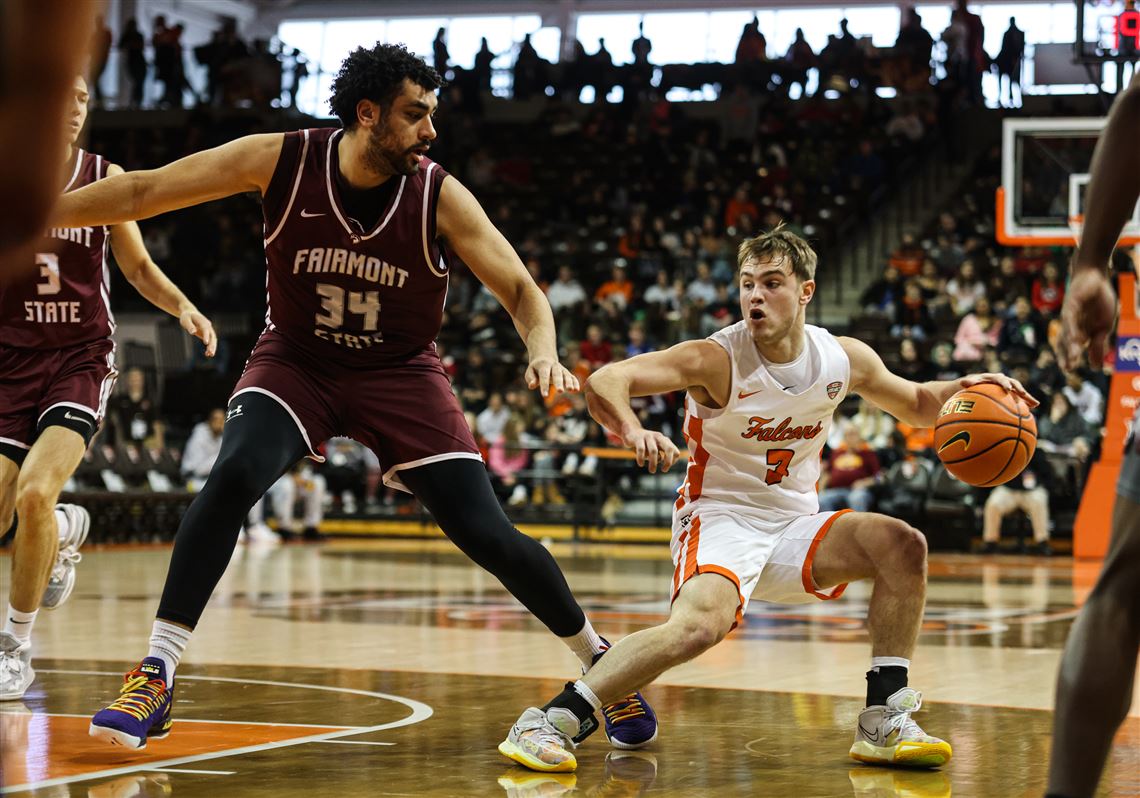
1107,30
1045,176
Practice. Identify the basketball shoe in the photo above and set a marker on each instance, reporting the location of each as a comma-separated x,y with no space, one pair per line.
630,721
543,740
887,735
62,580
16,674
142,710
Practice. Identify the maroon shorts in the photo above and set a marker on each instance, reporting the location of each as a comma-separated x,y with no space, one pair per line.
405,413
33,382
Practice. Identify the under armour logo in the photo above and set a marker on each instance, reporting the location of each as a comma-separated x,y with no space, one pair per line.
233,412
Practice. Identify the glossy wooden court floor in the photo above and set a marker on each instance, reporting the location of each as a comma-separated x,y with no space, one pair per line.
394,668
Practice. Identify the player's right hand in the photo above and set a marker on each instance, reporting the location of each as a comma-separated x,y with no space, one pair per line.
1088,317
200,327
652,449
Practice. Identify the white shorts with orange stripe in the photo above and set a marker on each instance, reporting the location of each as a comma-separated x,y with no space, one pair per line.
770,560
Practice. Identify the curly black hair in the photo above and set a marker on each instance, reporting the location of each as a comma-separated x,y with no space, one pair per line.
377,74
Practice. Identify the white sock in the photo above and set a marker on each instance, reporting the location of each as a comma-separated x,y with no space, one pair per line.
585,644
61,522
19,624
583,689
889,662
168,642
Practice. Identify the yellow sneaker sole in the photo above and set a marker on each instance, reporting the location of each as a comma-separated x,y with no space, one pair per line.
911,755
513,752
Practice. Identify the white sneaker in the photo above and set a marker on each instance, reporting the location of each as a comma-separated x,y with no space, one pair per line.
589,467
62,579
261,534
570,464
536,742
518,496
16,674
886,735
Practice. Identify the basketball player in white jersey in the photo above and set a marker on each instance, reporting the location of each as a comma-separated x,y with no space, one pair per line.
761,394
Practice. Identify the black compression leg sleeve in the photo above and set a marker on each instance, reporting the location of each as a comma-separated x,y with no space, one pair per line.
258,445
458,494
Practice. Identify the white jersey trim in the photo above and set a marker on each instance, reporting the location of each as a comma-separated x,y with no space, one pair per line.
78,167
392,481
17,444
304,433
336,207
442,270
105,287
296,186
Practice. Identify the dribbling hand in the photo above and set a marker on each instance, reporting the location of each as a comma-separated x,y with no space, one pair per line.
1088,316
1009,383
546,374
652,449
200,327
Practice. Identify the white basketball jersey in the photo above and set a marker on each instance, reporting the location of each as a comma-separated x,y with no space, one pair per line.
760,453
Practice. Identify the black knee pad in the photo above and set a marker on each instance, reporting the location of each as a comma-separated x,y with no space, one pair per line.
72,418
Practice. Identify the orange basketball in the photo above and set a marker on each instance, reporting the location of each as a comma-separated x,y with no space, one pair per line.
985,436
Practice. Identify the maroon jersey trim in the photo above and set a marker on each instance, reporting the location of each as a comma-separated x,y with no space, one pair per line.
296,186
335,202
441,271
78,167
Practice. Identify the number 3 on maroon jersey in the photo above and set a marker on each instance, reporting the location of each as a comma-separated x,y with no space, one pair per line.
781,459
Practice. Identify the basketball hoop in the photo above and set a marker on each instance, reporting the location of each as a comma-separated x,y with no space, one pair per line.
1077,225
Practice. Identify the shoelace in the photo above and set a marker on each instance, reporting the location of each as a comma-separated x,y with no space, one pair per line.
905,723
624,709
65,556
547,733
140,695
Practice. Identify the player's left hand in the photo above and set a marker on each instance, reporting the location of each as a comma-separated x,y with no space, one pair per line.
548,374
200,327
1088,317
1009,383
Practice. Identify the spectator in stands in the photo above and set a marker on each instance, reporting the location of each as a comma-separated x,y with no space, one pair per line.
1063,430
1006,285
911,315
911,365
132,45
881,296
965,289
1048,291
866,169
914,43
440,56
933,286
637,343
702,290
739,204
720,313
566,294
908,256
977,330
800,57
100,52
1022,333
641,46
133,417
943,365
619,285
300,483
506,458
752,46
850,475
202,449
1085,397
1008,64
596,350
493,420
1046,375
1028,492
482,69
527,71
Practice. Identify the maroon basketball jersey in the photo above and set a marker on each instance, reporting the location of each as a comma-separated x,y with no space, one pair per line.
66,299
360,297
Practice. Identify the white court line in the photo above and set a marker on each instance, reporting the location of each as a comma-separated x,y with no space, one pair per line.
185,770
420,713
354,742
206,720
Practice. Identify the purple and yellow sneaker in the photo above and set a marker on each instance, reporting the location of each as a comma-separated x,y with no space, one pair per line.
142,710
630,721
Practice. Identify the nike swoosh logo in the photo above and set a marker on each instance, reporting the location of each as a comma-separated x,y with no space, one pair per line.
872,736
306,215
743,395
963,436
69,417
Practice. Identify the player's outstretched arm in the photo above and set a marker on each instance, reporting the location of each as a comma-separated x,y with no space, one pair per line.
461,221
1088,314
150,281
914,403
701,367
245,164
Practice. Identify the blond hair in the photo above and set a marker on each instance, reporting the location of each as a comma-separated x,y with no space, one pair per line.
778,244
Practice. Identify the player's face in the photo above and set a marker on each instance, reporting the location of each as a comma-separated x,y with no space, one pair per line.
771,298
404,133
77,110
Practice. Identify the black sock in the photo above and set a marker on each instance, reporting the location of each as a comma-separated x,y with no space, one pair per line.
571,700
884,681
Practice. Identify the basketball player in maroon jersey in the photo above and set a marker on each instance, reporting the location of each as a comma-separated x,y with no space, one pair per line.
58,367
1098,668
360,227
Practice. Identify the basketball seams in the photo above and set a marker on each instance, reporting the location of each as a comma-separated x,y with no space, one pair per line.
980,452
1009,460
1018,415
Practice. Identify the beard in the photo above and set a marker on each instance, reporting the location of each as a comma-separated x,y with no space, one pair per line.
381,157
